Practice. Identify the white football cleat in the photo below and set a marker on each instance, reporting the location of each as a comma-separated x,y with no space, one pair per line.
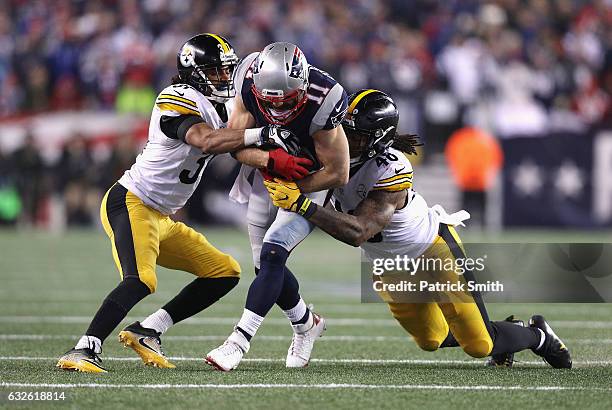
303,340
228,356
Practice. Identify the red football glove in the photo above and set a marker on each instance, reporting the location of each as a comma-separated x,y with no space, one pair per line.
287,166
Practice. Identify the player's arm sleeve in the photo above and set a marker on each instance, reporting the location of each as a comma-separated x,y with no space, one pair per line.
332,110
396,175
176,127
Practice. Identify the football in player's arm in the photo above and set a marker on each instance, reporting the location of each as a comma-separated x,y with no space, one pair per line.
385,216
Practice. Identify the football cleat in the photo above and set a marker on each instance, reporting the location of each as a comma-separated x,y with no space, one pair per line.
147,343
81,360
553,351
504,359
228,356
302,342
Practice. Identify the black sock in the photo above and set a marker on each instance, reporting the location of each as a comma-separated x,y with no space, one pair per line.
450,341
267,285
197,296
116,307
510,338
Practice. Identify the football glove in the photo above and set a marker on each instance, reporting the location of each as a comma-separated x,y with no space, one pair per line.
287,195
274,136
284,165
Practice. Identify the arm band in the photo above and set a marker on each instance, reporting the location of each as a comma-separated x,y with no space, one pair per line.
252,136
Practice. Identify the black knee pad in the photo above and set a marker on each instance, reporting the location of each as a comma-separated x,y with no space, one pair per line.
273,254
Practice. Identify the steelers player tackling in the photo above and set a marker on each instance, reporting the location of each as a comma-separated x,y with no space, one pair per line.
187,129
379,211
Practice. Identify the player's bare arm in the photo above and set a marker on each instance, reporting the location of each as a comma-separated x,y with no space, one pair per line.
332,150
219,141
369,218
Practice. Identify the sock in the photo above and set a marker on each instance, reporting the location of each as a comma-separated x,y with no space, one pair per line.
116,307
89,342
197,296
305,324
298,314
450,341
159,321
510,338
249,323
267,285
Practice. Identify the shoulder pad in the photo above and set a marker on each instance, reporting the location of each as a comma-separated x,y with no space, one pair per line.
241,70
179,99
332,108
394,171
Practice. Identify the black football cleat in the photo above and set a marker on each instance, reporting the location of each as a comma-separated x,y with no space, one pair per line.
553,351
504,359
81,360
146,343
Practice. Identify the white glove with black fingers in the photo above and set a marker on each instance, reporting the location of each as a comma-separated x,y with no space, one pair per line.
273,136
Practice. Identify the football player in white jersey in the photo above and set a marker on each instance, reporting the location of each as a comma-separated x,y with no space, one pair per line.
187,129
379,211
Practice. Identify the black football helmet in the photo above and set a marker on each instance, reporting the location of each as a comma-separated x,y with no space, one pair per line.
370,123
197,59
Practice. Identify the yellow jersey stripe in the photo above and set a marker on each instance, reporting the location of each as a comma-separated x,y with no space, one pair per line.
358,98
174,97
178,108
394,187
224,45
395,177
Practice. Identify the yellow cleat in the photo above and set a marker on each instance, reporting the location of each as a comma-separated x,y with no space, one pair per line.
147,344
81,360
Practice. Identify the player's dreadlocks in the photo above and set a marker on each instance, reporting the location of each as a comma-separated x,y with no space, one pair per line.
407,143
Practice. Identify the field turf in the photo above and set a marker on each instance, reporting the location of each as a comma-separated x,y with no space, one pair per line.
51,285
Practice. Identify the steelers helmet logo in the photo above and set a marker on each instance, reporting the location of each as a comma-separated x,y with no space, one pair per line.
187,55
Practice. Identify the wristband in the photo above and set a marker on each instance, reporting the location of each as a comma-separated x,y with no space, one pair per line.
252,136
307,208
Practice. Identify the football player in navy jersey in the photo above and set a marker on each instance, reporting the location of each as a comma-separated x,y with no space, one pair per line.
278,87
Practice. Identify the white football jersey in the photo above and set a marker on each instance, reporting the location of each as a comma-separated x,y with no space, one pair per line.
167,171
412,228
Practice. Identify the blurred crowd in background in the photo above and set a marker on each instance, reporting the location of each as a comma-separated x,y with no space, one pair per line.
509,67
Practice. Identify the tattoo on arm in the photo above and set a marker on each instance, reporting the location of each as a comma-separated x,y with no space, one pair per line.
369,218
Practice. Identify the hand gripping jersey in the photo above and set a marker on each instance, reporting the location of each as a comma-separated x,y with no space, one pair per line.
168,170
412,228
324,110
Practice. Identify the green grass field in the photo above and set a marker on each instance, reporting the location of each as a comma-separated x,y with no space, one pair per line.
50,286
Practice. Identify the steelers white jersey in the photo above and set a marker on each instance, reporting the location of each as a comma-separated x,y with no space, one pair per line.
412,228
168,170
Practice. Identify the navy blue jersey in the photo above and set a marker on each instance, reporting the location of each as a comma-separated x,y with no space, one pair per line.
324,109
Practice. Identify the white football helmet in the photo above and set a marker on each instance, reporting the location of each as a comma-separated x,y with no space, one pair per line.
280,82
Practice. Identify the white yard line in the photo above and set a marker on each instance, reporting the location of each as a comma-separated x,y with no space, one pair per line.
326,338
304,386
370,322
474,362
